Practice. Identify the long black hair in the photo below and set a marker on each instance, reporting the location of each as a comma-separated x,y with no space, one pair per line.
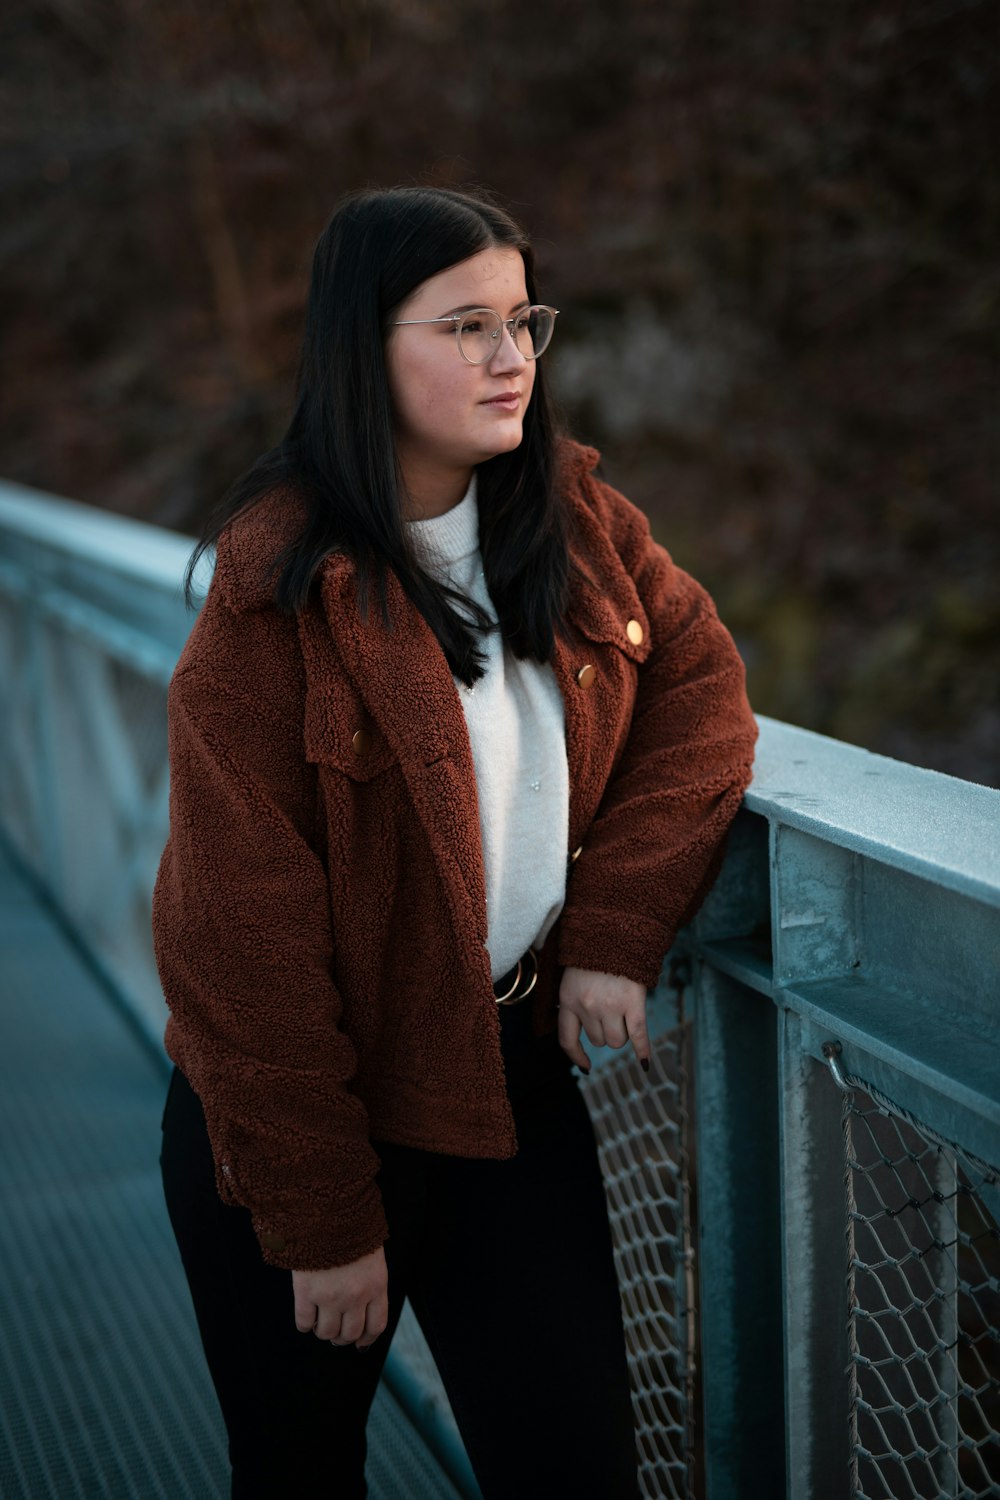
339,454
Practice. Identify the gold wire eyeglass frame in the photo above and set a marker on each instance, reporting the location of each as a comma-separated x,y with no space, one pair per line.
458,320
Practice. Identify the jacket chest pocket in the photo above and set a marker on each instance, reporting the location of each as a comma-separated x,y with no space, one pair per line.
341,733
363,801
599,666
613,641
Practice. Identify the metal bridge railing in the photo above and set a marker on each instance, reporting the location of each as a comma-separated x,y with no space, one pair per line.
847,1082
91,624
803,1190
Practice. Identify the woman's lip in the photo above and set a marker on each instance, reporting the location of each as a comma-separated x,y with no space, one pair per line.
509,398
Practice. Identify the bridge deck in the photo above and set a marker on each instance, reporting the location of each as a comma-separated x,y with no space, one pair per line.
103,1387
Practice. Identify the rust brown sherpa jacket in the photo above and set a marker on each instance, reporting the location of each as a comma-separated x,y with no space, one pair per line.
319,915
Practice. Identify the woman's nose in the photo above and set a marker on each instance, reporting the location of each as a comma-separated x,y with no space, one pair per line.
507,356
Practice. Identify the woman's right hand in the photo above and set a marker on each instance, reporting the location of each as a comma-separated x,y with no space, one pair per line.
345,1304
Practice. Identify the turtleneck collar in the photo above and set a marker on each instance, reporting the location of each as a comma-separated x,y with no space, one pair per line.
453,536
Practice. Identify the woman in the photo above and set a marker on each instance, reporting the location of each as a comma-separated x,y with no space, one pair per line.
453,749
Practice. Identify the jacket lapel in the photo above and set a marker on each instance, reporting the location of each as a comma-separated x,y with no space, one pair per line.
404,680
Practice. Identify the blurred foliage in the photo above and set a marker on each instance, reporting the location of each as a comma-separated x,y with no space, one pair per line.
771,231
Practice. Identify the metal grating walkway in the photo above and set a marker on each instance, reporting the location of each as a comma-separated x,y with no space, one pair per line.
103,1387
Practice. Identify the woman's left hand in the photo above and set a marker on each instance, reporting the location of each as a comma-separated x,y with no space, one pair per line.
611,1010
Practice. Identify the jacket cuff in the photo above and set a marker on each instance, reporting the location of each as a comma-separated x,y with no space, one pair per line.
613,942
316,1244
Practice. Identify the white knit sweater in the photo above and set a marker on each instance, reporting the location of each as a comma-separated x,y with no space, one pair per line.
514,716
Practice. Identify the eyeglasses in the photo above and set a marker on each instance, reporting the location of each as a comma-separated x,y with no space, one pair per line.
479,332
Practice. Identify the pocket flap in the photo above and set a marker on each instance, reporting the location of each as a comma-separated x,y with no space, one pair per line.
613,617
339,731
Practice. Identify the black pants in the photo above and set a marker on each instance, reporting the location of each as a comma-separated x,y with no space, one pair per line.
509,1270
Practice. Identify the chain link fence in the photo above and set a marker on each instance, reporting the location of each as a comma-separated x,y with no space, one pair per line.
922,1269
924,1308
642,1123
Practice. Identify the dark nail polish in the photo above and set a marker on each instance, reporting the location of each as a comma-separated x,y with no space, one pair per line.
644,1062
583,1070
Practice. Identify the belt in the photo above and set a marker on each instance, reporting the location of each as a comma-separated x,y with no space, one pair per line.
518,981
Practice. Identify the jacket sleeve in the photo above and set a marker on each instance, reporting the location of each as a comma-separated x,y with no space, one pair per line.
244,945
656,842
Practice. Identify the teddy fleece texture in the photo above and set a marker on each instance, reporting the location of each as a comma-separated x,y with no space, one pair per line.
319,914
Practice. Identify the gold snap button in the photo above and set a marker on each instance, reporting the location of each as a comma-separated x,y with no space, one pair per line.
575,855
586,675
361,742
634,632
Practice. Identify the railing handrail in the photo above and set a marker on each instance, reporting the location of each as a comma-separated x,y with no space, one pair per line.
122,544
922,821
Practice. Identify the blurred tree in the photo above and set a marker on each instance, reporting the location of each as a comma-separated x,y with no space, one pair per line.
771,231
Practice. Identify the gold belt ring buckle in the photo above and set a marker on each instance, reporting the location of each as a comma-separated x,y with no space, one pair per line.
512,997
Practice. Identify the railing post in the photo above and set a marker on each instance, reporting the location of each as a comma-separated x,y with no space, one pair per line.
48,810
739,1239
814,1261
943,1222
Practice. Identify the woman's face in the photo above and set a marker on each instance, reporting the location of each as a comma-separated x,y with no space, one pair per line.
450,415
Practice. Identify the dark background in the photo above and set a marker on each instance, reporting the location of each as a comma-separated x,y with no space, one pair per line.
771,229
